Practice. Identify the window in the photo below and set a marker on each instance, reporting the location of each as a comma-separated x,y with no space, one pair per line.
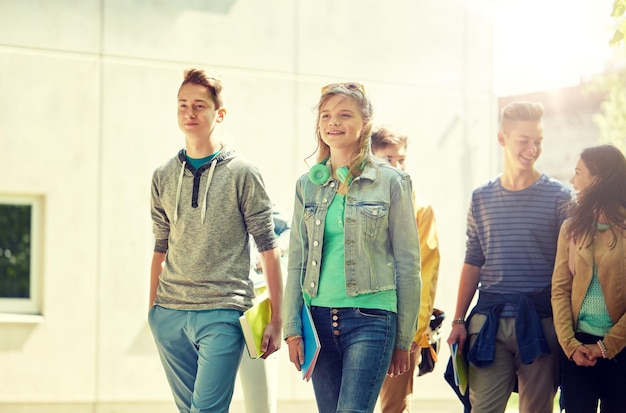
20,236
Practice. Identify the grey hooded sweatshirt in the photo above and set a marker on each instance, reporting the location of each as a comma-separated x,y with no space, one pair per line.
201,220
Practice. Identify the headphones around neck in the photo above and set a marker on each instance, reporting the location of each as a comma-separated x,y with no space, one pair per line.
320,173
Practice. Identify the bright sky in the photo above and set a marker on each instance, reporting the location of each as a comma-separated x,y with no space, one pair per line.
547,44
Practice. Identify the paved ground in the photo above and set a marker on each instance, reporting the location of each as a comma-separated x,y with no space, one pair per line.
422,406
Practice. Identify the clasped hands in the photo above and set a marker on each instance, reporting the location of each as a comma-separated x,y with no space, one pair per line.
586,355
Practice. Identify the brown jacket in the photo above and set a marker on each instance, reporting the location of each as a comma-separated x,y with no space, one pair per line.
569,287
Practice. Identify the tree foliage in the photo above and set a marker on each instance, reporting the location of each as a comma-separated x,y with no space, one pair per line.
15,239
619,9
612,119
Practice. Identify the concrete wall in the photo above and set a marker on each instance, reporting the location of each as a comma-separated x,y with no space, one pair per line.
87,111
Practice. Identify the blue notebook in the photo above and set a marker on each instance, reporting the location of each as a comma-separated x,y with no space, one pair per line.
311,343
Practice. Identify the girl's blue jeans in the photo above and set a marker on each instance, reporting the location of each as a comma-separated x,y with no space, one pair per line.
357,346
200,352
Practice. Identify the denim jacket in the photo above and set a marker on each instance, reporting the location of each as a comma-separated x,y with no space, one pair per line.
531,340
381,244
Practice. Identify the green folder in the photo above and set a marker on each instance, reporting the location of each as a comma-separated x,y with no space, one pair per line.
461,369
253,323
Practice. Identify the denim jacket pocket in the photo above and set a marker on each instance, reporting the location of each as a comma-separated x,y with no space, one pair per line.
309,214
372,215
309,211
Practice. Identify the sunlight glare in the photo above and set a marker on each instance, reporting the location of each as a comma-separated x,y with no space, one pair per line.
542,45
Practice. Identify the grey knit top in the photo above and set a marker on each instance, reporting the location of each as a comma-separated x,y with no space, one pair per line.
201,220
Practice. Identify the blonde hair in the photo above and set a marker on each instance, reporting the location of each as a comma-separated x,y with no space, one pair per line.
365,109
515,111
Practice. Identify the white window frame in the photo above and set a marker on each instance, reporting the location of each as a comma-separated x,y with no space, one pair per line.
32,305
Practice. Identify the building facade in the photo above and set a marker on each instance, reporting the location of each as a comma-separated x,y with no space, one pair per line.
88,111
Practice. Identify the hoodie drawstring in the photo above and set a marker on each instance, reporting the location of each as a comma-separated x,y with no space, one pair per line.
178,190
206,191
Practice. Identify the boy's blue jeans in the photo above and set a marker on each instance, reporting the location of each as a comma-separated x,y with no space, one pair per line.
200,352
357,345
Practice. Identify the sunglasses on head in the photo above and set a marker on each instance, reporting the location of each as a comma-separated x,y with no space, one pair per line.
347,85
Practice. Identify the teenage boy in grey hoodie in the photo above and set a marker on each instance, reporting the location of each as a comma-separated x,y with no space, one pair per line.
206,201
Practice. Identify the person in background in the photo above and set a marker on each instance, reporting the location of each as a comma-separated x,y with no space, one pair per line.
353,257
588,294
512,228
206,202
395,395
259,377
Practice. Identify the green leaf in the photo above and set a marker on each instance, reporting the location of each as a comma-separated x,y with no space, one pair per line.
618,36
619,7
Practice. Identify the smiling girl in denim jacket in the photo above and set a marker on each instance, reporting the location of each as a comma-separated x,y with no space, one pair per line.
353,257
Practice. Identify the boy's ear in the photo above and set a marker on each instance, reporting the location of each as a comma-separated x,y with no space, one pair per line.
221,112
501,138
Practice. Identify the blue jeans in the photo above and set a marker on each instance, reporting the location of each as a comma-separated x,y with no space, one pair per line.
357,345
200,352
583,387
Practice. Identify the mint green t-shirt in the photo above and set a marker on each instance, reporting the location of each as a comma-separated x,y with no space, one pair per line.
332,284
